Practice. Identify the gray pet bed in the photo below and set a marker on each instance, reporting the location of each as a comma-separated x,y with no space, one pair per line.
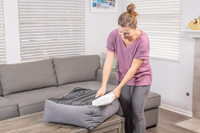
75,108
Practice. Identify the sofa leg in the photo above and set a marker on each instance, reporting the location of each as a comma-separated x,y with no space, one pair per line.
152,126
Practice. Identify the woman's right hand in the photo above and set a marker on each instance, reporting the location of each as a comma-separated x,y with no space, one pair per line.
101,92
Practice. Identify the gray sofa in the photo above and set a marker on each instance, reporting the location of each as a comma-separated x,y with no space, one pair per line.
25,86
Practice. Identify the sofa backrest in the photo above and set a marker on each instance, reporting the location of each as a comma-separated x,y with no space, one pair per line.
27,76
76,68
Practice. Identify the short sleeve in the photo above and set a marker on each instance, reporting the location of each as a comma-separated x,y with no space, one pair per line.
110,42
143,49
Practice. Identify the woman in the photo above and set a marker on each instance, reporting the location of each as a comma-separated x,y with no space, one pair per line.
134,76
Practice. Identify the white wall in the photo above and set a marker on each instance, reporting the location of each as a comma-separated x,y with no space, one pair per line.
11,31
171,80
98,27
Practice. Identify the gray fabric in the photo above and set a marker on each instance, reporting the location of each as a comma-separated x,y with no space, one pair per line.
1,92
27,76
86,116
153,101
93,85
112,78
151,117
76,68
33,101
8,109
78,96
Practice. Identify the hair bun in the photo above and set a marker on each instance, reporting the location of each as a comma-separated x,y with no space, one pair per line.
130,8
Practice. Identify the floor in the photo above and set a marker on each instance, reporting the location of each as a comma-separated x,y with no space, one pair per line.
167,121
190,124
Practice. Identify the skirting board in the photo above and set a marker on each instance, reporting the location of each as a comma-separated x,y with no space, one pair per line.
177,110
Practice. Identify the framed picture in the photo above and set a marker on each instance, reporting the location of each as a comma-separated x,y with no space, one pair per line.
104,5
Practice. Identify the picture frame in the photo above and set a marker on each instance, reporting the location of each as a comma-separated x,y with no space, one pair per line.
104,5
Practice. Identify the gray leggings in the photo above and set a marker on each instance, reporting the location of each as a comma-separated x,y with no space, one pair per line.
133,99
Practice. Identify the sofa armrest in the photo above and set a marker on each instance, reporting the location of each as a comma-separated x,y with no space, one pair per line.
112,79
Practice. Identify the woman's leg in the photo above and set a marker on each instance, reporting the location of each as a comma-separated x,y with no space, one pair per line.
125,100
139,95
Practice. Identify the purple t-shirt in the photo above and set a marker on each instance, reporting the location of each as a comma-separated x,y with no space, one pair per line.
139,49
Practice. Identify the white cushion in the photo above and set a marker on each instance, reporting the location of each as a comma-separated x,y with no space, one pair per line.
104,100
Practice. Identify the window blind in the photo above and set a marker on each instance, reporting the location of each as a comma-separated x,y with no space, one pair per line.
2,38
161,20
51,28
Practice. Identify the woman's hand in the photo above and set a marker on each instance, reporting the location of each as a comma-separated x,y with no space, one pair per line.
116,92
101,92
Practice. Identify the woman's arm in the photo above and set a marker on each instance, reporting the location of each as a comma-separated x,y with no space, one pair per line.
107,68
136,63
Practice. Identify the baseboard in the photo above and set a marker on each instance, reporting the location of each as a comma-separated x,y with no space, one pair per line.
177,110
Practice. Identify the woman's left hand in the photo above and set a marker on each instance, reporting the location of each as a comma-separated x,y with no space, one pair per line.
116,92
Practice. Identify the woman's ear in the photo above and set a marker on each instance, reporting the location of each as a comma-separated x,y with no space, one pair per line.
135,28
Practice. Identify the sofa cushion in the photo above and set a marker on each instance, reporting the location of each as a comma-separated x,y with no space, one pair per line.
27,76
8,109
153,101
112,78
76,68
33,101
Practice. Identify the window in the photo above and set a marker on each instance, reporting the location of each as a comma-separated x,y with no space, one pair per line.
161,20
51,28
2,38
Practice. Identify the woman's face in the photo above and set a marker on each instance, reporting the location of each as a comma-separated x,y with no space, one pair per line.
125,32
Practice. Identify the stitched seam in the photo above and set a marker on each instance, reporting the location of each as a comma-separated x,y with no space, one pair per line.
153,97
45,60
143,108
9,92
43,101
8,106
45,112
66,93
57,84
73,58
1,84
151,108
32,104
92,117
